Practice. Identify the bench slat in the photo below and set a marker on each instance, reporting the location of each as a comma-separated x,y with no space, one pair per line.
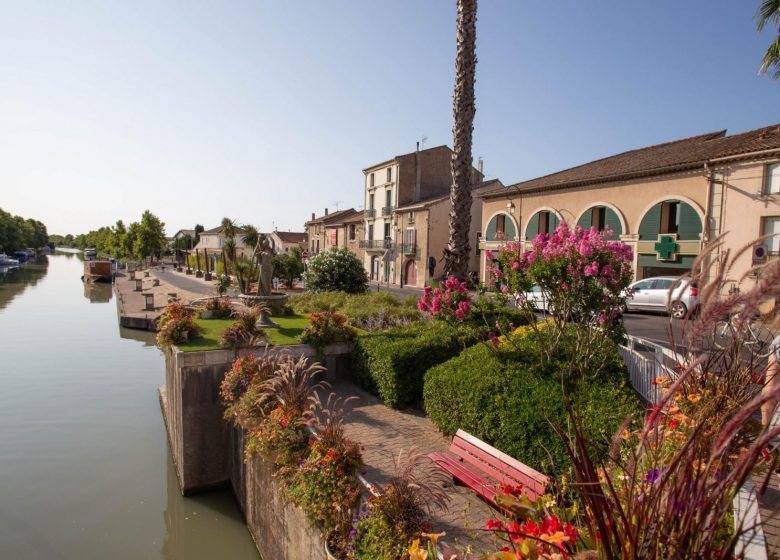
498,470
451,464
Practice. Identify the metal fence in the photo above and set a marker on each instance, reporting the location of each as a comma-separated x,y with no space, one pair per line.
647,360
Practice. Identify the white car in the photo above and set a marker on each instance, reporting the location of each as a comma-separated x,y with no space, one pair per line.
656,294
535,297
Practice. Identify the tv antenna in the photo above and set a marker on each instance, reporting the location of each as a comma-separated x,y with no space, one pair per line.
423,140
336,204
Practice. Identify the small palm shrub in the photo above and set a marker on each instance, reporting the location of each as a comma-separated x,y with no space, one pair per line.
286,401
389,523
336,270
326,328
176,326
244,332
241,388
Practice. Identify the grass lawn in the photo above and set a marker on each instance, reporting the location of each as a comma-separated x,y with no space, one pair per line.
287,333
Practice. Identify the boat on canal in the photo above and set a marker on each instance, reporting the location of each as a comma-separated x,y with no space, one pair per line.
5,260
90,253
98,271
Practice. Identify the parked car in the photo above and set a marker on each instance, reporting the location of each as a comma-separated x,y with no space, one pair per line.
535,297
656,294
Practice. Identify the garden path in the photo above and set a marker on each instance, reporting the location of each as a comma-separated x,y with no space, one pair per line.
384,432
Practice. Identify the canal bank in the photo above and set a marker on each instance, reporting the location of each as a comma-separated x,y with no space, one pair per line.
85,468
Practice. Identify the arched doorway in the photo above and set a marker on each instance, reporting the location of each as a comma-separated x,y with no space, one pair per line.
411,272
375,268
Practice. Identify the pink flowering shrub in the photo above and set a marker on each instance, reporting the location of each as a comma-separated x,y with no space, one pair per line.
579,271
450,301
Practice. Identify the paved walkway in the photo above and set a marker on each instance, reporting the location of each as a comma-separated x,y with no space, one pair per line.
185,282
384,432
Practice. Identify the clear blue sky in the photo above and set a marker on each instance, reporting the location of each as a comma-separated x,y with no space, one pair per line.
268,111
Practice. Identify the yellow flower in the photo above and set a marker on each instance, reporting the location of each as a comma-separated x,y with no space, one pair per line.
433,537
694,397
625,434
417,553
660,380
556,538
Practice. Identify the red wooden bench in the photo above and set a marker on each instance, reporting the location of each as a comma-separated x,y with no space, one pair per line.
483,468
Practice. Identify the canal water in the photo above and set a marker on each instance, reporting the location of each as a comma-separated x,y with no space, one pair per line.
85,470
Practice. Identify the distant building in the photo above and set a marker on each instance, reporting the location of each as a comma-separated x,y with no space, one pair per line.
183,234
666,201
407,209
346,232
315,229
286,240
213,241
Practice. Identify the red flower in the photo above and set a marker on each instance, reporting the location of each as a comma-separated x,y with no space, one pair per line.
494,525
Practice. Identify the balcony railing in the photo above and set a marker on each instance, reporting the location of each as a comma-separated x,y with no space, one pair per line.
387,210
370,212
408,248
375,244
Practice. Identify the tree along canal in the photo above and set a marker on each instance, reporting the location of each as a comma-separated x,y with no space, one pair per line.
85,470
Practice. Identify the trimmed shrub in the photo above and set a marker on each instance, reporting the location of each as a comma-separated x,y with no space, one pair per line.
501,396
336,270
371,311
391,364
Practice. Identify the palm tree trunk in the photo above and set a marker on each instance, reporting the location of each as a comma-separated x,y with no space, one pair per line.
458,251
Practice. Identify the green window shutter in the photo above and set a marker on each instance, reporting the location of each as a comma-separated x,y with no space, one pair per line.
613,221
650,226
690,224
554,221
585,220
533,227
490,234
509,228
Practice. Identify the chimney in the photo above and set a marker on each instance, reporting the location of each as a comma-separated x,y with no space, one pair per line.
312,216
326,211
480,165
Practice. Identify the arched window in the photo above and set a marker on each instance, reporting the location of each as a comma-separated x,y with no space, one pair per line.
500,227
671,216
543,221
601,217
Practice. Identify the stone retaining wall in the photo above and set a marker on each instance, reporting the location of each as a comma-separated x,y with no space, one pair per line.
208,452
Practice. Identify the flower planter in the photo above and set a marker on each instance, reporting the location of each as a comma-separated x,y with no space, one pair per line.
328,553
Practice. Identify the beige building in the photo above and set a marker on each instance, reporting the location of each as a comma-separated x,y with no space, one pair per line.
315,229
407,216
666,201
284,241
346,232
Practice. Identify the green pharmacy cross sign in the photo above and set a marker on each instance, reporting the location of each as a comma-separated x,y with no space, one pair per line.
666,247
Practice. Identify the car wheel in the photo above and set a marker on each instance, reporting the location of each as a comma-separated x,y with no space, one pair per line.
678,310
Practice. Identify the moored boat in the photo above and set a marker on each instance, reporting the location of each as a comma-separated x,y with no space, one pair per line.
98,271
5,260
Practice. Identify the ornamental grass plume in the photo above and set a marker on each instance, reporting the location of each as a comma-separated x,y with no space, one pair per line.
667,488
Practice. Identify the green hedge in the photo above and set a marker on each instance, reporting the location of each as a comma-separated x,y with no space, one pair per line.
391,364
375,310
503,399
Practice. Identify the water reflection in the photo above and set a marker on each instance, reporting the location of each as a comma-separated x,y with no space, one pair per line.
15,280
85,470
98,292
189,521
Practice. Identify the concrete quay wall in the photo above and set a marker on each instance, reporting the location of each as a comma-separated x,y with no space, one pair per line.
208,451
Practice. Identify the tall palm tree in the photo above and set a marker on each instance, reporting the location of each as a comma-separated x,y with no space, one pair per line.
769,13
458,250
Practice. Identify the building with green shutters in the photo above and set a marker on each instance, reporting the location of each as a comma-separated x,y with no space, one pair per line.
666,201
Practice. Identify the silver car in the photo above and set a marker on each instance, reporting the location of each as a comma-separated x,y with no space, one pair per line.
656,294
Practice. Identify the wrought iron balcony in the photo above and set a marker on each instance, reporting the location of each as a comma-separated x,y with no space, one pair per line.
387,210
370,212
408,248
375,244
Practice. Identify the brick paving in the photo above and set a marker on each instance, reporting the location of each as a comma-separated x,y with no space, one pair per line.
384,432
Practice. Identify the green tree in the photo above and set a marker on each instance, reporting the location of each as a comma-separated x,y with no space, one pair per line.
150,236
458,250
288,266
769,13
198,230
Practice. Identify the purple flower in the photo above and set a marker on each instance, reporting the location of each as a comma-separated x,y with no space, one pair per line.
652,475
